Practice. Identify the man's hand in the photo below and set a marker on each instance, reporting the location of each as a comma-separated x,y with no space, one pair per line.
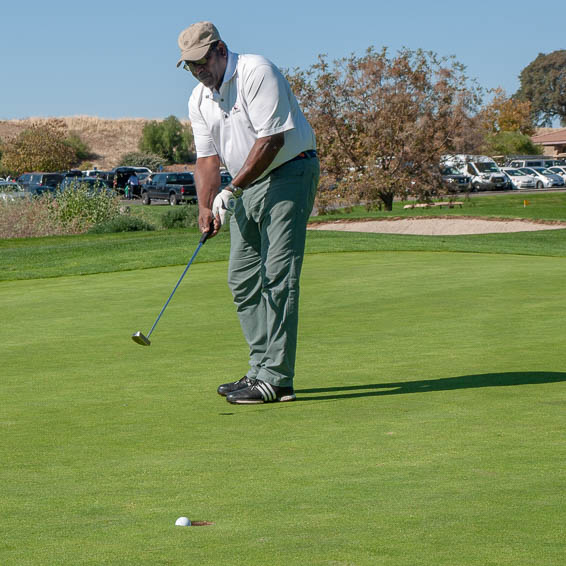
206,220
207,180
224,204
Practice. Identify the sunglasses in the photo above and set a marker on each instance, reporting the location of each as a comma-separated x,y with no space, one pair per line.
191,65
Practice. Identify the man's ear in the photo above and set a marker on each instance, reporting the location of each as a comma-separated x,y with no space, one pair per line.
222,49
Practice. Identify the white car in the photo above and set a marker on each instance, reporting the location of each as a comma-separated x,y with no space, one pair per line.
11,191
519,179
543,177
559,170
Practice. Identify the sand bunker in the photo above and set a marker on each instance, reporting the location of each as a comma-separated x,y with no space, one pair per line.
442,226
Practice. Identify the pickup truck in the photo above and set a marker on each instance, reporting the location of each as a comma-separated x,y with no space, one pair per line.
174,187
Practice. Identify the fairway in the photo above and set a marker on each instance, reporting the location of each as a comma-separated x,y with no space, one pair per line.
428,430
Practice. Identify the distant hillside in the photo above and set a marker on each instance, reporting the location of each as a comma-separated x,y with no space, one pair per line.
107,139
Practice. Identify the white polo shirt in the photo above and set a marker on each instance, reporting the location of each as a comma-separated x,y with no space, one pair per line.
254,101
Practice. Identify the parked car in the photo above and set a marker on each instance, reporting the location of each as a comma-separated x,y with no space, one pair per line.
72,173
39,183
483,170
106,175
174,187
144,178
531,161
518,179
11,191
94,184
559,170
225,179
544,178
454,180
119,176
487,176
142,170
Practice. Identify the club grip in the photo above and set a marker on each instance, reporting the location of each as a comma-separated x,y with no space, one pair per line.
205,235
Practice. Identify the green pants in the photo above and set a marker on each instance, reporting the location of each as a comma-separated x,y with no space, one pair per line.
268,231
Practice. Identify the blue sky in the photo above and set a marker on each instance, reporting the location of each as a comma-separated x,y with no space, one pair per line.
117,59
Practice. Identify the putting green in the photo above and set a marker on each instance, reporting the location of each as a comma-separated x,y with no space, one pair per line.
429,426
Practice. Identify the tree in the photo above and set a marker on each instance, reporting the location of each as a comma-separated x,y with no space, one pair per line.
168,138
3,169
382,123
510,143
42,147
82,150
543,84
141,159
505,114
507,124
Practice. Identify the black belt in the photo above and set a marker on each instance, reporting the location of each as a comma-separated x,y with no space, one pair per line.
303,155
307,154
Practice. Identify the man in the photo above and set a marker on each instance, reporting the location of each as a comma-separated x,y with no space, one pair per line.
132,186
244,116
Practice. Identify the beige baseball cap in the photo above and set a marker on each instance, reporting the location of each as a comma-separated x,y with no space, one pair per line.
195,41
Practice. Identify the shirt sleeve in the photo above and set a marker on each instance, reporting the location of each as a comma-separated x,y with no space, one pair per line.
267,98
203,139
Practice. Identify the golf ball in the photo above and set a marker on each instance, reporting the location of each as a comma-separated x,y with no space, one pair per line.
183,522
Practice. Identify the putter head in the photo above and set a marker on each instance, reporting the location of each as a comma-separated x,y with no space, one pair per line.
139,338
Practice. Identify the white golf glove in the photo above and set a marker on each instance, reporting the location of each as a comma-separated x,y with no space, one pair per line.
224,204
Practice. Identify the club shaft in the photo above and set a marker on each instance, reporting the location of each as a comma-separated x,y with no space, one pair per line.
175,288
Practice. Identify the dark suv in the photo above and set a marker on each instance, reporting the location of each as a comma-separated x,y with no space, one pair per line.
119,177
454,181
174,187
39,183
225,179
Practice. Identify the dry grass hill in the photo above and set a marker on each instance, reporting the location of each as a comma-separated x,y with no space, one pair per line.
107,139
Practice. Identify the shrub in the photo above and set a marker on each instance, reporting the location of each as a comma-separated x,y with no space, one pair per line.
56,214
4,171
142,159
180,217
168,138
42,147
123,223
27,219
81,149
82,207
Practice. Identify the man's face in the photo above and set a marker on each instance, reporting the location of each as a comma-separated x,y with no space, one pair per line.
210,70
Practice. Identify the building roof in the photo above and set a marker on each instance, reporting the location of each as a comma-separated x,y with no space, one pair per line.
551,138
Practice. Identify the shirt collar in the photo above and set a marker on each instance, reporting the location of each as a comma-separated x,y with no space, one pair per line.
229,73
230,67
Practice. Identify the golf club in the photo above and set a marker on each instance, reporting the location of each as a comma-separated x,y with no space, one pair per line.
138,337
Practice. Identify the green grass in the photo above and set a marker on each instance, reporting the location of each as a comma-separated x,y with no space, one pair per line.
81,255
429,426
56,256
543,206
88,254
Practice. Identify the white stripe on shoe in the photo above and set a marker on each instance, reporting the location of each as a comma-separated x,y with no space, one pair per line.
266,391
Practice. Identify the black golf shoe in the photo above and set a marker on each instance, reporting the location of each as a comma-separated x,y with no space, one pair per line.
260,392
226,388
